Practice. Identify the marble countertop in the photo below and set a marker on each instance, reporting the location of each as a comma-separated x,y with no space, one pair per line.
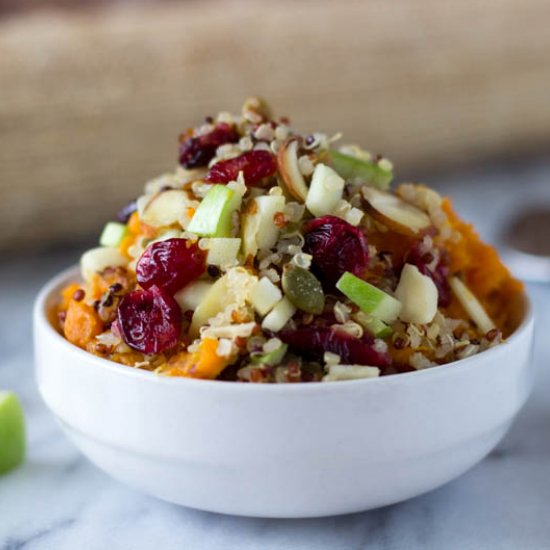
57,500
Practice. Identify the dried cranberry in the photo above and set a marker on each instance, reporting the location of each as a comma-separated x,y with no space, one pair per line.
170,264
198,150
439,274
255,166
149,321
312,342
336,247
126,211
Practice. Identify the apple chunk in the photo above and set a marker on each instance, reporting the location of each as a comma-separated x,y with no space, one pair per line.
112,234
325,190
258,226
418,295
222,251
279,316
264,295
357,170
370,299
213,217
398,215
12,432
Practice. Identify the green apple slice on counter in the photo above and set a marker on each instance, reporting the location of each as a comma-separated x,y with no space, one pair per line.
12,432
370,299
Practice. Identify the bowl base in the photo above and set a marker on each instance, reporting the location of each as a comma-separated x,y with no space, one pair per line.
183,483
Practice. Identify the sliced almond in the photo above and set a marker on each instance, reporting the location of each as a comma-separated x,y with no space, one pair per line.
287,160
472,305
395,213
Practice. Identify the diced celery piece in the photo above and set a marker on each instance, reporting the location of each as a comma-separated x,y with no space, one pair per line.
112,234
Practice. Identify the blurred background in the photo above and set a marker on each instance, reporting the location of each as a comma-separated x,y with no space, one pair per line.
93,94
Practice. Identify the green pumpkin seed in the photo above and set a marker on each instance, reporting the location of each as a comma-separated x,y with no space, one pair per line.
303,289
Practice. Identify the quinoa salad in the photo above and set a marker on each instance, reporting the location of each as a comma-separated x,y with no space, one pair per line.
273,256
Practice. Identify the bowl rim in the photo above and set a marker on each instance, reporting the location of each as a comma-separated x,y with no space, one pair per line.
447,369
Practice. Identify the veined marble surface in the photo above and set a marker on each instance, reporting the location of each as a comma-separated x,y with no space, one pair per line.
57,500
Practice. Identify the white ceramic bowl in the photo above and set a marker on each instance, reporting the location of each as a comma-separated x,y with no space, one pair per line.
298,450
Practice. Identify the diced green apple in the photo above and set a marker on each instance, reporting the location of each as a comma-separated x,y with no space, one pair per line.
268,232
12,432
472,305
230,290
214,216
213,301
375,326
222,250
325,190
370,299
272,358
279,316
250,223
264,295
258,227
394,212
357,170
97,259
192,295
418,296
112,234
